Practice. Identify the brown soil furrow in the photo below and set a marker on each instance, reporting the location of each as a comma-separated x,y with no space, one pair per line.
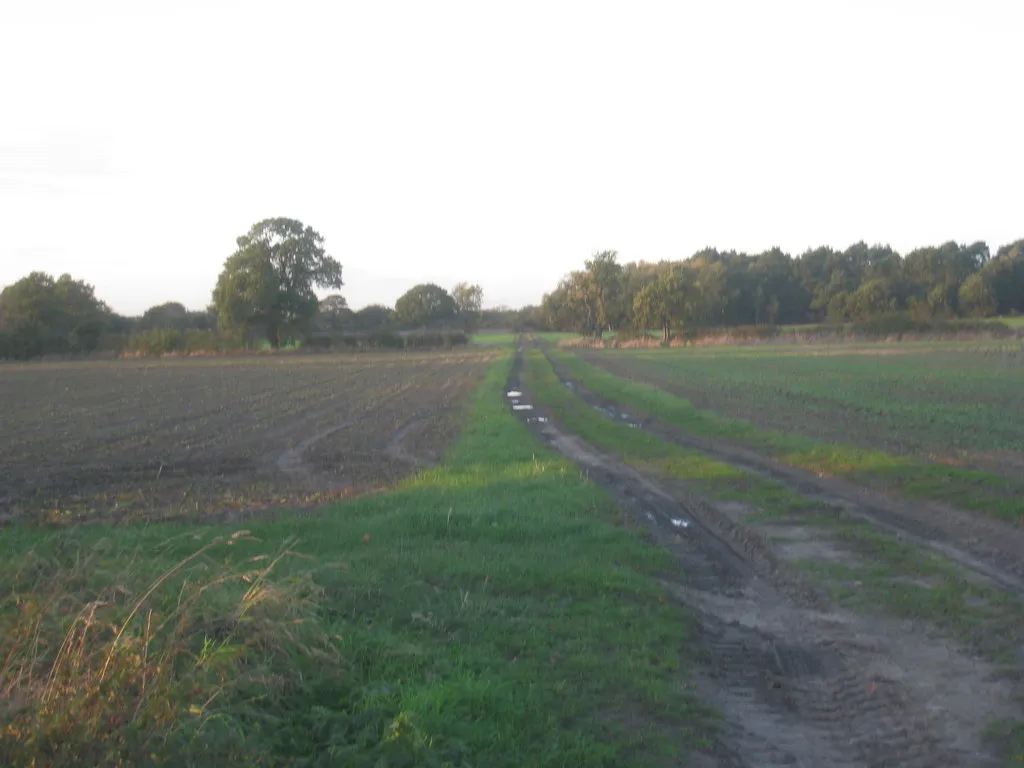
192,438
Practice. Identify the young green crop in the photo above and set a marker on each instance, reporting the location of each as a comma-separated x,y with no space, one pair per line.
983,491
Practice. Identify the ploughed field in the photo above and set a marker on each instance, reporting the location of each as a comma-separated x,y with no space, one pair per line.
954,403
194,437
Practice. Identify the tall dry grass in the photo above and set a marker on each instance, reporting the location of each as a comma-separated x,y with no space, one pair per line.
105,662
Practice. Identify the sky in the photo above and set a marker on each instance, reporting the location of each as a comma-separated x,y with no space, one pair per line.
496,143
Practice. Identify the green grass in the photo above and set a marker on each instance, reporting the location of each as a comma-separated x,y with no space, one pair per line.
638,446
923,399
493,339
554,337
1001,497
494,611
1013,322
897,579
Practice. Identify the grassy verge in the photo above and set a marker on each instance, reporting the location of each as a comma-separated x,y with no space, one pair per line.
492,611
971,489
895,578
643,448
493,339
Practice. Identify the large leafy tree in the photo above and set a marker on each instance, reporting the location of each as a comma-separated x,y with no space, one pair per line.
605,278
268,284
664,303
40,315
423,305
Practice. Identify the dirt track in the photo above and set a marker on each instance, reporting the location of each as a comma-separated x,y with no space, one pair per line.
990,547
799,680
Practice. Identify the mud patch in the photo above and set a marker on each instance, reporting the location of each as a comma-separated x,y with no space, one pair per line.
795,544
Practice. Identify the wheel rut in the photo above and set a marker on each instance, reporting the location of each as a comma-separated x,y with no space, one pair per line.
798,681
987,547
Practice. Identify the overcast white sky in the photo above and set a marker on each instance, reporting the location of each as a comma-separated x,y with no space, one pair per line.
500,143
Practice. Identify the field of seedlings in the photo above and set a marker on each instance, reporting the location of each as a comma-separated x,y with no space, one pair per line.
200,437
961,404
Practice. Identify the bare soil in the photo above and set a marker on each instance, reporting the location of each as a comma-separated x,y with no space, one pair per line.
197,437
798,679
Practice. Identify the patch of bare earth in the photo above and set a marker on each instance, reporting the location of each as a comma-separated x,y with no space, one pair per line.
798,679
170,438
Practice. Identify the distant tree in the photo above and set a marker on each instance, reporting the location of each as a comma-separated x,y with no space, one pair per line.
168,315
468,300
875,297
121,324
373,318
663,303
40,315
1005,274
529,318
333,313
557,310
605,285
268,283
425,305
977,297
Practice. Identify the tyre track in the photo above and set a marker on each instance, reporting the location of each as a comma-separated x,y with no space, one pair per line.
798,682
986,547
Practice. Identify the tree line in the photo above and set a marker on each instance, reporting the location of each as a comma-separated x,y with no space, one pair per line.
266,293
725,288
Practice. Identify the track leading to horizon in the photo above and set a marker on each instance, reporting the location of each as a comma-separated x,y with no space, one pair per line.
805,670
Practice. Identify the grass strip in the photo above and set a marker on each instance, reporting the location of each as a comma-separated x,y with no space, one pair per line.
971,489
706,475
491,611
898,579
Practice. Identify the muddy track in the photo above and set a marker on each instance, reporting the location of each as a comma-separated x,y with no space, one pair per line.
988,547
798,681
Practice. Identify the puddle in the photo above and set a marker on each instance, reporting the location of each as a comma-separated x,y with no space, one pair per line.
568,384
514,393
523,407
538,419
680,523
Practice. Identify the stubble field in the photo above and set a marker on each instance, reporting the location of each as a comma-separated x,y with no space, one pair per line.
201,437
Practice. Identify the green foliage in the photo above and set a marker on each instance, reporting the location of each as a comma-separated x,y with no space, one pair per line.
174,316
372,318
425,305
267,285
40,316
468,300
726,288
333,314
663,303
163,341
